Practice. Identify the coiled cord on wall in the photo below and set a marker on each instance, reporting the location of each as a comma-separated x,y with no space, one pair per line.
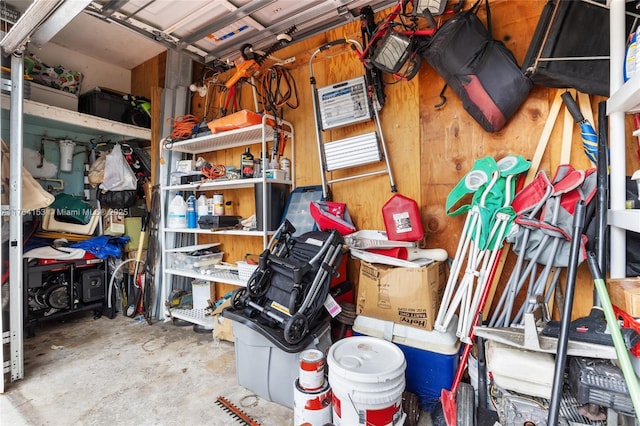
277,89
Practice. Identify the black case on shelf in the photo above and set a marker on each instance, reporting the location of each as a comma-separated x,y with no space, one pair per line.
277,194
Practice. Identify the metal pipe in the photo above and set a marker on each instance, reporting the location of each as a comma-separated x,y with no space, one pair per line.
16,130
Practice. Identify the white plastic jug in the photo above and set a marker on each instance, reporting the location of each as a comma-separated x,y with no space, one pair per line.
177,217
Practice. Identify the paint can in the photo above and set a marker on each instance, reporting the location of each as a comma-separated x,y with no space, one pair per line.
367,380
311,408
311,375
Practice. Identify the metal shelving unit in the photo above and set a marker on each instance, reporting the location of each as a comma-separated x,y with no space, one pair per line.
625,98
250,135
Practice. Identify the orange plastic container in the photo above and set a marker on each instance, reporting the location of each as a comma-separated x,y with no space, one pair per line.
402,219
236,120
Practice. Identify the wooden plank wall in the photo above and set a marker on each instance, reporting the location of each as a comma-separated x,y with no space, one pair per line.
430,149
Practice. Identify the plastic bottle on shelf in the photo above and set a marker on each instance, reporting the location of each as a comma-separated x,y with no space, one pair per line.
257,166
218,205
201,206
177,217
192,216
246,164
285,164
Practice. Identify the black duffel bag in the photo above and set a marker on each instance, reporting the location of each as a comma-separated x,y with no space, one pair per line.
481,71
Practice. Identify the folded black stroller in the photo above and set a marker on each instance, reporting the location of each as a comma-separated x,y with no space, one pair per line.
288,289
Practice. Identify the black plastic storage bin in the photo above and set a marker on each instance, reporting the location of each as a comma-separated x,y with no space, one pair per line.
106,104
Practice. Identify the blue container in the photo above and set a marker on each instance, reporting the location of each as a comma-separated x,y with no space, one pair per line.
432,356
192,216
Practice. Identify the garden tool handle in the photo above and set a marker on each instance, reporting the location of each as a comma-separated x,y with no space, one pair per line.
572,107
143,232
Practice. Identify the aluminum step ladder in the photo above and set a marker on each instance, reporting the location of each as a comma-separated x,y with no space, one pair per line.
343,104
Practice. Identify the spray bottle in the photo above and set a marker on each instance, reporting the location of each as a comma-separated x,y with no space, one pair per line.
192,216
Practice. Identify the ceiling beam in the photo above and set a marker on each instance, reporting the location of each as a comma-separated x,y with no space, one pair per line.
58,20
229,19
33,17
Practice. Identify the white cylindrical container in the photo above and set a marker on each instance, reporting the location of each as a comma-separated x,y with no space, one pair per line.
177,216
218,205
66,155
311,374
366,375
201,206
311,407
201,293
285,164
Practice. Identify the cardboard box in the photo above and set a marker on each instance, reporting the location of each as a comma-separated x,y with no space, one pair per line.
625,294
407,296
223,329
114,223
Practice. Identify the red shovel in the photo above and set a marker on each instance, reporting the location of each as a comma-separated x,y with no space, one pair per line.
448,397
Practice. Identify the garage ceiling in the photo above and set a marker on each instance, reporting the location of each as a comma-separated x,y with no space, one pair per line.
215,29
207,30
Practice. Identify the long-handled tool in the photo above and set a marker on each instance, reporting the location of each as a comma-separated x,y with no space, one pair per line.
563,339
139,305
614,328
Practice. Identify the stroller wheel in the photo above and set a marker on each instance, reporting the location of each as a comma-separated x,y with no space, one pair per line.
258,284
293,298
295,329
237,298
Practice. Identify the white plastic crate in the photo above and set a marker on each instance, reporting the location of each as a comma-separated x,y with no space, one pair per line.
245,270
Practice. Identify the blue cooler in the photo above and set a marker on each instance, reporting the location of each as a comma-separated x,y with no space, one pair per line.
432,357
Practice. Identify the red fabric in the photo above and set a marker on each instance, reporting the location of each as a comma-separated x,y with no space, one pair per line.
397,252
482,99
331,215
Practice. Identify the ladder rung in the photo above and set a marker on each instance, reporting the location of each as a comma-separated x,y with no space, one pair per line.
351,152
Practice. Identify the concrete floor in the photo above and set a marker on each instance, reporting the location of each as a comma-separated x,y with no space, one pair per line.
88,371
120,371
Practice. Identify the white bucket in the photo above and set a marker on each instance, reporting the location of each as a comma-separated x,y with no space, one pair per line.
311,408
366,375
66,155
